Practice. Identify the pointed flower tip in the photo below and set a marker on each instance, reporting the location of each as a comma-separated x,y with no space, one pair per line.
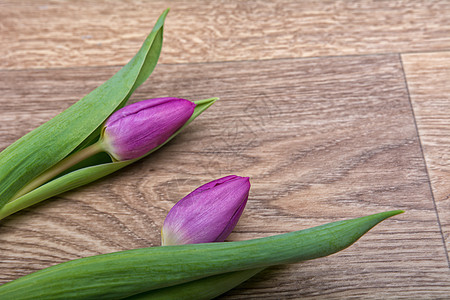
208,214
134,130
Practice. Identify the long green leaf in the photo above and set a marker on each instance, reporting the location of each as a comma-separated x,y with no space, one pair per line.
201,289
127,273
85,175
46,145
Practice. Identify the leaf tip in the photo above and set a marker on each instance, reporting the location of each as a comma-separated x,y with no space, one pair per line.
160,22
394,212
207,102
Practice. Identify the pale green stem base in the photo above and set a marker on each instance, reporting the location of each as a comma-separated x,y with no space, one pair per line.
13,206
60,167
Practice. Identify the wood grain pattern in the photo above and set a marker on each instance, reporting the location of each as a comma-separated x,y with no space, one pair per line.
428,77
322,140
40,34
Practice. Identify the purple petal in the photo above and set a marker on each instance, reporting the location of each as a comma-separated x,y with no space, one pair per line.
207,214
137,128
213,183
233,221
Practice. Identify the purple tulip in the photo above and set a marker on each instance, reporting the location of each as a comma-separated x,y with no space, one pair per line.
138,128
208,214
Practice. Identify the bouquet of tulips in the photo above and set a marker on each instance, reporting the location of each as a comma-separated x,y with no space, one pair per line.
193,262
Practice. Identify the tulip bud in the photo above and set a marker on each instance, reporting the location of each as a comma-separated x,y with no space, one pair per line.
134,130
208,214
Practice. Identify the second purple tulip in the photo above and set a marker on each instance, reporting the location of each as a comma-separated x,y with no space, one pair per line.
208,214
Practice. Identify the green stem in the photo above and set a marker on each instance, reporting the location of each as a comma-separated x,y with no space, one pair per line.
57,169
17,203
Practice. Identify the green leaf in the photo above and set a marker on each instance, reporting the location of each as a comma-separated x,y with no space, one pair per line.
127,273
86,175
51,142
201,289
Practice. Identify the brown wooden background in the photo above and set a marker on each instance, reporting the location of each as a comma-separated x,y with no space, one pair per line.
335,109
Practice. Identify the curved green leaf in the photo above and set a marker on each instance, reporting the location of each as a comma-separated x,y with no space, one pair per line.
46,145
127,273
85,175
201,289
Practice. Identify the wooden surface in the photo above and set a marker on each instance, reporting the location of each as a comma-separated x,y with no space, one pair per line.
361,127
41,34
428,77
